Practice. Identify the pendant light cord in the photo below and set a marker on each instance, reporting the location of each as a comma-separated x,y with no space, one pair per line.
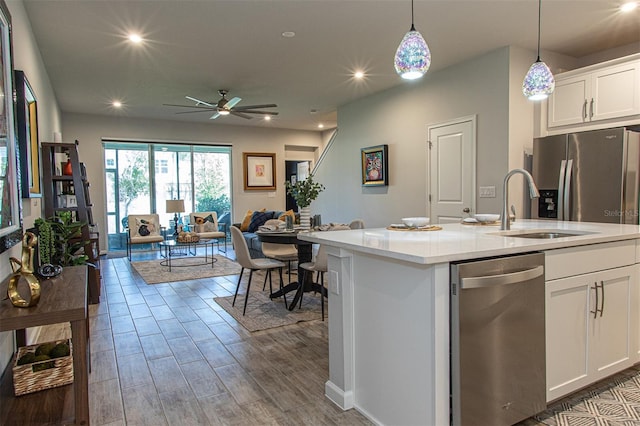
539,19
414,28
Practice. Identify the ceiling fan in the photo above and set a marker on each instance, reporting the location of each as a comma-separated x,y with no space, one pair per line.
225,107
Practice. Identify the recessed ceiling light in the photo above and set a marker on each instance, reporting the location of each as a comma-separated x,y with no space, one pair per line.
116,104
135,38
288,34
358,74
320,126
629,6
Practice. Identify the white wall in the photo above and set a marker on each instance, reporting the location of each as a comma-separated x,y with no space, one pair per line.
26,57
399,117
89,130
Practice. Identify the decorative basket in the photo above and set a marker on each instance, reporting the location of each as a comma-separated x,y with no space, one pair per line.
26,380
188,237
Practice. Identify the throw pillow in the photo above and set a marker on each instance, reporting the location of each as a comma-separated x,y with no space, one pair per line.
244,227
208,227
201,220
145,228
258,219
284,215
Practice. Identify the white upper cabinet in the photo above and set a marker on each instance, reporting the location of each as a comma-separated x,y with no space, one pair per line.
595,94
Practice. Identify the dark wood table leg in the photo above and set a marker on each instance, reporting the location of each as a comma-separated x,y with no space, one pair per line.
80,375
21,337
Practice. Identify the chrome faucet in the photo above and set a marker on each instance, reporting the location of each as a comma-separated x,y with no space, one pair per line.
505,224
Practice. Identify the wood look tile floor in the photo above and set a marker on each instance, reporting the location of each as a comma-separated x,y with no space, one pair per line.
167,354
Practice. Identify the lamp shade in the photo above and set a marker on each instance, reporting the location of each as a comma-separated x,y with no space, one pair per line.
413,57
539,83
175,206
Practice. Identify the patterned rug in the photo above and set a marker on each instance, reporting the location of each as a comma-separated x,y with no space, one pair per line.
183,268
613,402
264,313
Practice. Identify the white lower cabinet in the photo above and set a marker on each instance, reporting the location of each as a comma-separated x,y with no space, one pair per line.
591,327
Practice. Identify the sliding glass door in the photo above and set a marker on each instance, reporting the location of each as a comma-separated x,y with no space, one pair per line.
141,177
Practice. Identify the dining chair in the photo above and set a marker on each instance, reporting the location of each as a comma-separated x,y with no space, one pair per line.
282,252
247,262
319,265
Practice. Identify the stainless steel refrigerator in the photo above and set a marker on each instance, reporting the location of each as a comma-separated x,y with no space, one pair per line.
588,176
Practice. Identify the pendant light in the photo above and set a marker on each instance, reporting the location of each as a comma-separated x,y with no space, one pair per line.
539,83
413,57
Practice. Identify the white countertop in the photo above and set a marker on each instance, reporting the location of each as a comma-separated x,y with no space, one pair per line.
461,242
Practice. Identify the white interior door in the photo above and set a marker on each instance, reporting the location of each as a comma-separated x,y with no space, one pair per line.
452,170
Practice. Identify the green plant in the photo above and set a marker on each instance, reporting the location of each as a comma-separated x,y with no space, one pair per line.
60,240
304,191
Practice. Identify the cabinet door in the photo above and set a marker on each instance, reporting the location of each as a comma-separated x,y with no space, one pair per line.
568,103
584,346
615,92
567,334
611,348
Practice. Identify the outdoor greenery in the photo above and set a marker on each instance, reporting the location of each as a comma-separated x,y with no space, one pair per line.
304,191
211,177
133,180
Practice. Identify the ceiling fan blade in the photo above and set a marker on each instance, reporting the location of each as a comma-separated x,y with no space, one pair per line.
193,112
214,116
232,102
243,108
198,101
257,112
241,114
193,106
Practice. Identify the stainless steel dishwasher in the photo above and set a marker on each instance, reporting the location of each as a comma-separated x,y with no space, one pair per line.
497,340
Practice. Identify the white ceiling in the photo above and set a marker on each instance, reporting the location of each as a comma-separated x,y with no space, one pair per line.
195,47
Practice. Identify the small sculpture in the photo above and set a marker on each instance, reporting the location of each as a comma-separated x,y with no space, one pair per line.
24,270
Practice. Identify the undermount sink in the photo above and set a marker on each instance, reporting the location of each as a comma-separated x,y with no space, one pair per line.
541,234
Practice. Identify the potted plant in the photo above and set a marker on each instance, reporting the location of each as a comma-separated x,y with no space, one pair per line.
304,192
60,240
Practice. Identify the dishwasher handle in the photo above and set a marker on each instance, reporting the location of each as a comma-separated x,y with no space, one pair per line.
502,279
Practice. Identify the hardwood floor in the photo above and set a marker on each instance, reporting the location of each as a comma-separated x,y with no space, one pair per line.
167,354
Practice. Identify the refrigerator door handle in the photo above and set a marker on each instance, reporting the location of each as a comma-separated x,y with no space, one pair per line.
563,167
567,190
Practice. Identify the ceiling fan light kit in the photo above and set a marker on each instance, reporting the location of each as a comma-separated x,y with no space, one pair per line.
413,58
539,83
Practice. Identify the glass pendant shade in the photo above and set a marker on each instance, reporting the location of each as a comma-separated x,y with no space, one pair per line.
413,57
539,83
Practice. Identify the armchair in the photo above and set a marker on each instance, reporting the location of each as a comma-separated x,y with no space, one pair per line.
143,229
206,225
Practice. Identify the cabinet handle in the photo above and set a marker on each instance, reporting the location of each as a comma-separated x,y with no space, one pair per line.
602,298
591,109
584,110
595,313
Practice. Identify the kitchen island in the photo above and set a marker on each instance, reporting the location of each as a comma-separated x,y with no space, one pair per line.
389,305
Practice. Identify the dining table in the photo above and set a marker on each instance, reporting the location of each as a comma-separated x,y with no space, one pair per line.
305,254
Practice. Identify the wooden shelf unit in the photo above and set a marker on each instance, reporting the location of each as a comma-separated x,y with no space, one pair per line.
54,185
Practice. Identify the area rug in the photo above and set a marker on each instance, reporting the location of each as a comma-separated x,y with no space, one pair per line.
153,273
264,313
614,401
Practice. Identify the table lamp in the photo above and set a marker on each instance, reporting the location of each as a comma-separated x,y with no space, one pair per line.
175,207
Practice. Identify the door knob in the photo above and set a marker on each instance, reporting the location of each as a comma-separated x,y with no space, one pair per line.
466,210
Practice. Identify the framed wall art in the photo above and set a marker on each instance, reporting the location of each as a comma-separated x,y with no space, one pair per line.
10,217
375,165
27,130
259,171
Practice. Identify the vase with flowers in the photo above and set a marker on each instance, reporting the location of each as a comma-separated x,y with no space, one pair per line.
304,192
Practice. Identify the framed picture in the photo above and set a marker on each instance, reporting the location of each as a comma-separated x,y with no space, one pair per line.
375,165
10,215
27,129
259,171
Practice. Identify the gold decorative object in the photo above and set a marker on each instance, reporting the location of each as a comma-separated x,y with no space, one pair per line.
24,270
188,237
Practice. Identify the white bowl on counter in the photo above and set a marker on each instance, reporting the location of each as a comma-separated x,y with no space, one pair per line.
486,217
415,222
